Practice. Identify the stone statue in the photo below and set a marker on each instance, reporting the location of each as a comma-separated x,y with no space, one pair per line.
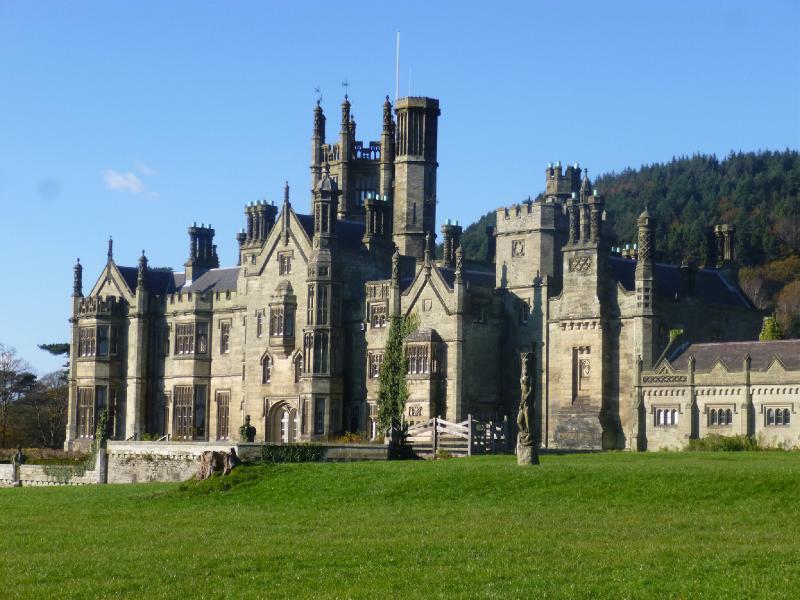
526,448
247,432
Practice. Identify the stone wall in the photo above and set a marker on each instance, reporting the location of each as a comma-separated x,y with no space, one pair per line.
140,462
7,477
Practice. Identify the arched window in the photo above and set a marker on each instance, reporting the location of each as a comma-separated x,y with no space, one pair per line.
298,367
713,419
785,416
728,417
667,419
659,417
674,417
770,417
779,417
266,368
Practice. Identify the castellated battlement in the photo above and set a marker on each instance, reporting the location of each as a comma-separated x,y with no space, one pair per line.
561,183
527,216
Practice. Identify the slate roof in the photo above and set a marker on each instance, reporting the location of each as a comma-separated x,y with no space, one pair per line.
348,233
214,280
158,281
709,285
479,278
733,353
164,281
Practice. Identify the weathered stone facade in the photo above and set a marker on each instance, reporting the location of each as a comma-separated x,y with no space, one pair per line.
293,336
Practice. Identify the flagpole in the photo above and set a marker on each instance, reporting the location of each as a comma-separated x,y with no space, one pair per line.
397,69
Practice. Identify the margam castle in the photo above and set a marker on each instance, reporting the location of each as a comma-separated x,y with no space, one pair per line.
293,336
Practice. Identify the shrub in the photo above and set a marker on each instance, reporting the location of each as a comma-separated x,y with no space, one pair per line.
350,437
277,453
725,443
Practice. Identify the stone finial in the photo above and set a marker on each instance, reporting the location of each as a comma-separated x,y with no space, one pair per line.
459,265
427,255
77,280
319,120
387,116
110,253
142,270
346,114
286,192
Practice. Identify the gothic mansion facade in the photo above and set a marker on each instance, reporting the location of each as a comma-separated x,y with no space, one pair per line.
293,336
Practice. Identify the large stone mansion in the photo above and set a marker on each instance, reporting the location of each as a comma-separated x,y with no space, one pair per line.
293,336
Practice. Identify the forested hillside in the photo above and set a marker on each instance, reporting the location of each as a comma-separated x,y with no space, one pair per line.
758,192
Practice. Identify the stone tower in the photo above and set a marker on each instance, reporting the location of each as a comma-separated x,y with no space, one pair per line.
415,173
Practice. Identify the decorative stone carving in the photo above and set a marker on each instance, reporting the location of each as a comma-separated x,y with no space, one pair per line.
518,248
526,448
580,264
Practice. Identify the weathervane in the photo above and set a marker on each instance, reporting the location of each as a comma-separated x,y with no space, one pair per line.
319,94
345,85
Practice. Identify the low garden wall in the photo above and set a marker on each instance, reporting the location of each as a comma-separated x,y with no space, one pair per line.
137,462
140,462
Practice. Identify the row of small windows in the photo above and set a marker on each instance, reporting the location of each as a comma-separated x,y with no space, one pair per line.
666,417
102,340
722,416
778,416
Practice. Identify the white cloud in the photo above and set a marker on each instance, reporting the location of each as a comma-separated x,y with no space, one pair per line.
144,169
126,182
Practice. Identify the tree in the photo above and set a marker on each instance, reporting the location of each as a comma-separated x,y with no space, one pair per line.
50,403
57,349
16,380
770,331
392,389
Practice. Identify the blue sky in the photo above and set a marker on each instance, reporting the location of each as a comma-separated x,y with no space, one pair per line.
133,119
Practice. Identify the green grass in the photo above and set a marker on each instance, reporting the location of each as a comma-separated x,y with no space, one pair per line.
675,525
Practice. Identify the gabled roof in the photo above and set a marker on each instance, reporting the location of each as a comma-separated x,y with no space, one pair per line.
732,354
709,285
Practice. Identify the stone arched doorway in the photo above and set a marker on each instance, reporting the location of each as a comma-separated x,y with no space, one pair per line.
282,423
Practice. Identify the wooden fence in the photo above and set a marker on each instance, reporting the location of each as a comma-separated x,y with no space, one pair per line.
465,438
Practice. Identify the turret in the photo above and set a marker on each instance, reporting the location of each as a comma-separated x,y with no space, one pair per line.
345,152
415,173
386,175
326,196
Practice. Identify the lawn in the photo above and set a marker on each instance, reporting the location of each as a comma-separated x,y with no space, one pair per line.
674,525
